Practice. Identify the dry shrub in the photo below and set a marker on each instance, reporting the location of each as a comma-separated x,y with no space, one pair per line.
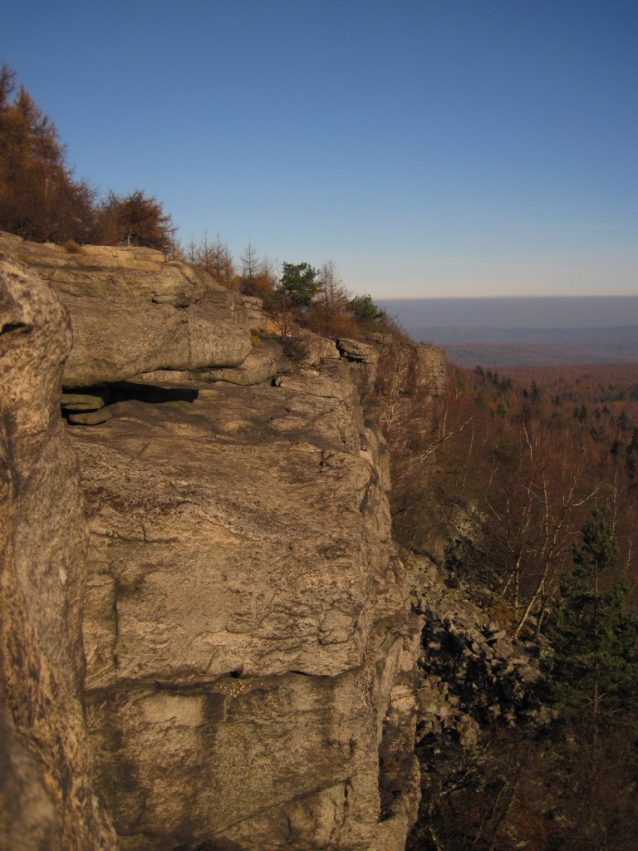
294,348
336,324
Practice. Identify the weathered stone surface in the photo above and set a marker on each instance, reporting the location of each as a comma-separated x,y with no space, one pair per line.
264,362
415,371
117,340
46,789
249,640
90,418
318,349
132,311
357,351
81,402
254,311
362,360
112,273
429,369
247,631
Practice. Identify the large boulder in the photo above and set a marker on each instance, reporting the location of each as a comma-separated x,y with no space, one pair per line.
113,341
133,311
47,799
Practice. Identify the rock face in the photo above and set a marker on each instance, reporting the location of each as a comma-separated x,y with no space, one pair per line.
47,799
263,362
249,636
137,338
134,312
247,631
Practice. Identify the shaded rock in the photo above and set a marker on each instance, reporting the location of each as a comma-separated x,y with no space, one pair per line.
357,351
255,318
318,349
47,798
418,370
90,418
81,402
429,369
470,667
362,360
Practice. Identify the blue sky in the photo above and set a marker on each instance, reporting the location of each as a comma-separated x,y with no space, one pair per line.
442,148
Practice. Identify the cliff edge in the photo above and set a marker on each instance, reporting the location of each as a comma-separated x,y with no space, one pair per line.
248,633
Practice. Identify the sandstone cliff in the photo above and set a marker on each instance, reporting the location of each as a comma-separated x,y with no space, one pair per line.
249,640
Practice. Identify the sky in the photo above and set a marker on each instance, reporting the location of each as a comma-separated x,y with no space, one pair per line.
441,148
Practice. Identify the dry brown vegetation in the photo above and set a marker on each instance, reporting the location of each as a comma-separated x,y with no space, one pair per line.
40,198
523,459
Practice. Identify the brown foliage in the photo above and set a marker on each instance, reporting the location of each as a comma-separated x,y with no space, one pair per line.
136,219
214,258
523,470
524,789
258,277
39,198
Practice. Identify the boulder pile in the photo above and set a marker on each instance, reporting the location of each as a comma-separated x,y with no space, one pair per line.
472,674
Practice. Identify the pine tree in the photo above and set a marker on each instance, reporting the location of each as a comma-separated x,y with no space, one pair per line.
365,311
298,284
595,638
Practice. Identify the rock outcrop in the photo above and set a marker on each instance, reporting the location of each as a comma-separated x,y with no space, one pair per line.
47,796
250,643
248,637
133,312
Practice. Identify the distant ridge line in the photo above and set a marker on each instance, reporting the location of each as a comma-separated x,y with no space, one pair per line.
559,313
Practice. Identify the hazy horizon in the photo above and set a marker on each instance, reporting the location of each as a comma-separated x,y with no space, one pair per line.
514,312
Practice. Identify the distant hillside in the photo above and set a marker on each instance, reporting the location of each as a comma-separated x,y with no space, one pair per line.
533,347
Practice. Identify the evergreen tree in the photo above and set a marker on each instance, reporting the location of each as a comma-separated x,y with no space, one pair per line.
364,310
298,284
595,638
